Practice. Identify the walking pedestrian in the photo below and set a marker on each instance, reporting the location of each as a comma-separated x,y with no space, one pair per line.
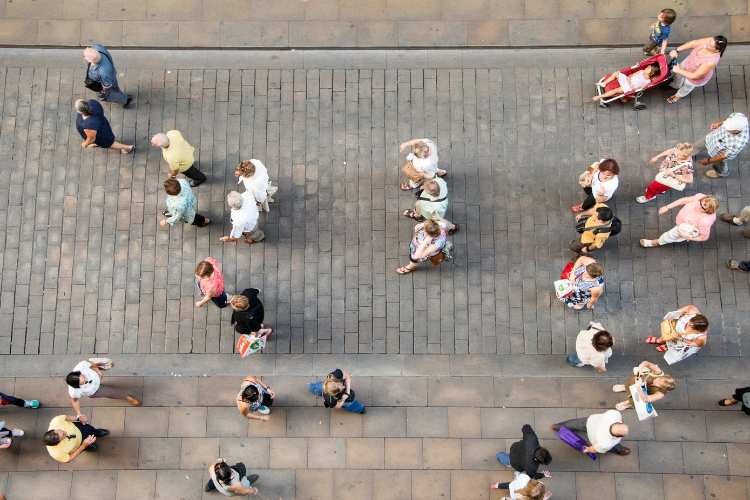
86,380
210,283
741,395
428,243
523,488
336,390
595,226
7,399
698,67
603,431
231,481
739,219
723,144
7,435
255,399
675,172
248,313
432,203
527,455
693,222
94,127
682,333
181,204
599,182
421,164
244,216
593,347
254,176
586,278
68,437
101,75
657,383
179,155
739,265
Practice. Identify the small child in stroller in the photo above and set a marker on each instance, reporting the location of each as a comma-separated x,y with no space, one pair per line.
638,80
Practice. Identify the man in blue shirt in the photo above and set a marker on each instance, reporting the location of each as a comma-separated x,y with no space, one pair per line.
101,69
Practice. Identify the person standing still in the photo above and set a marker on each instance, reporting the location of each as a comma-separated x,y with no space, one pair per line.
101,69
723,144
179,155
660,31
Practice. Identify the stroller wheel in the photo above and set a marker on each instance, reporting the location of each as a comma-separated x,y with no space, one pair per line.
638,106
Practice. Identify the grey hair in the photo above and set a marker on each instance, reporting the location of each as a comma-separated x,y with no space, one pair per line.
161,140
234,200
82,107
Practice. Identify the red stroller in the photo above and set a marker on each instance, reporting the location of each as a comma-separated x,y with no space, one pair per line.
635,94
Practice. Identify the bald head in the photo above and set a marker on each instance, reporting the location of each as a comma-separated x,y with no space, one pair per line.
91,55
160,140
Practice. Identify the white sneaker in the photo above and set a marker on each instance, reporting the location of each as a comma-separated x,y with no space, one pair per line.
643,199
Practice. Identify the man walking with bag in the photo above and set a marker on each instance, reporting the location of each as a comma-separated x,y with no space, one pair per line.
101,75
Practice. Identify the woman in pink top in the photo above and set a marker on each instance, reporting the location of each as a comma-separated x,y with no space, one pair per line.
693,223
210,283
698,67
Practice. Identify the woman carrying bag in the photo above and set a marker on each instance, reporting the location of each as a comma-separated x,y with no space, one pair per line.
683,333
675,171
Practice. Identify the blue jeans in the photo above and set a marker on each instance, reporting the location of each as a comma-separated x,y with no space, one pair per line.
352,405
503,458
114,94
221,300
574,360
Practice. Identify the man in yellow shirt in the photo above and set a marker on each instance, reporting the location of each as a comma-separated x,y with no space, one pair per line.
179,154
67,438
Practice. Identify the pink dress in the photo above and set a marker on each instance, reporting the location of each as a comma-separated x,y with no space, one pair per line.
692,213
215,282
694,61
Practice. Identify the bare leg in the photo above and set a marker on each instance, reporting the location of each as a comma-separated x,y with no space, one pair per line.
608,94
610,78
122,148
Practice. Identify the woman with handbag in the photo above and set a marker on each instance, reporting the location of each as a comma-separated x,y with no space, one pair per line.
586,284
693,222
599,181
657,384
675,171
429,242
683,331
421,164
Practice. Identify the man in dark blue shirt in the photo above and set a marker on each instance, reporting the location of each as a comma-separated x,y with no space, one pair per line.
101,69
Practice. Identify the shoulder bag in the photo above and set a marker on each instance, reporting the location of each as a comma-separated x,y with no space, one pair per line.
94,85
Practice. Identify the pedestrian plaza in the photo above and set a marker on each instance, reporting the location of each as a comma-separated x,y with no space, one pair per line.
450,361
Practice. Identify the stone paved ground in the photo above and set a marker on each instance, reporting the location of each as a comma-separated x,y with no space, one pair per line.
85,268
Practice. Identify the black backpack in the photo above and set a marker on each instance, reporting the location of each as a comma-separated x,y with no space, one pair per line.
613,228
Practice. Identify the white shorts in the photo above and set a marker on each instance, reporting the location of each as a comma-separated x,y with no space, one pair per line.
624,83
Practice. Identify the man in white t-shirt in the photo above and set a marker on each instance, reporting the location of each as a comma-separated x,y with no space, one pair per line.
244,216
86,380
604,432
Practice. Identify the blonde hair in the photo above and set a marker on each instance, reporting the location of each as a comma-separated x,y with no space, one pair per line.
684,148
332,387
246,168
422,150
239,302
534,490
713,204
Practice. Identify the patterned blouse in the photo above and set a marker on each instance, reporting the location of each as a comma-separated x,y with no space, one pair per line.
181,207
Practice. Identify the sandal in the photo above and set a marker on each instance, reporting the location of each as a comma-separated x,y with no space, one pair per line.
723,402
661,348
404,270
577,208
647,243
454,230
673,99
443,174
412,214
405,186
652,340
127,151
206,222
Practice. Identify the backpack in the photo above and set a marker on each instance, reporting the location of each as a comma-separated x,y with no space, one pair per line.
614,227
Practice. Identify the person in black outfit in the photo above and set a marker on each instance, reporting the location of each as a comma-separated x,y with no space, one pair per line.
739,396
526,455
247,314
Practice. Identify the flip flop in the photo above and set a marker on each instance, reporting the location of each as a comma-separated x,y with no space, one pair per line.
672,99
404,270
577,208
661,348
454,230
412,214
646,243
652,340
405,187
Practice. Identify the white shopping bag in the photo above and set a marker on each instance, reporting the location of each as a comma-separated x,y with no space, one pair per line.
643,409
563,288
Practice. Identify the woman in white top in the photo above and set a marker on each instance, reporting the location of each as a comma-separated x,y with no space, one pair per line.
230,481
683,333
523,488
254,176
421,164
593,347
599,182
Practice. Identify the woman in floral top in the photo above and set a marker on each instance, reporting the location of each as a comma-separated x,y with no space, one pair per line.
181,204
675,171
429,240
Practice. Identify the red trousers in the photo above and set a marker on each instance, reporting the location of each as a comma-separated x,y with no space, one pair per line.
655,188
